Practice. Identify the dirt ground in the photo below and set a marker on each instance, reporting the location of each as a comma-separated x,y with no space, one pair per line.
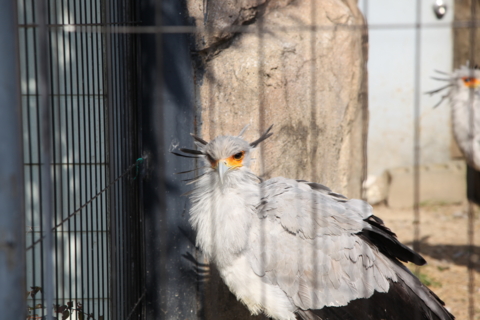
444,244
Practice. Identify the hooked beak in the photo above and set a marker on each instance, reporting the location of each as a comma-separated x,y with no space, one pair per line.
222,169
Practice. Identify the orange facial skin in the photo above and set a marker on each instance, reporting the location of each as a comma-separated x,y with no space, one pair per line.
234,161
471,82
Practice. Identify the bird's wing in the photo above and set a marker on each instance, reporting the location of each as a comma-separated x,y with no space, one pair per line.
322,249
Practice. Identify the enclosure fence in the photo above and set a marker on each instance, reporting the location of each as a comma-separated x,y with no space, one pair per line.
94,160
97,245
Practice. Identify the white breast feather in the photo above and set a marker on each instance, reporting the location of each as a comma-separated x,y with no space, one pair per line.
296,250
466,132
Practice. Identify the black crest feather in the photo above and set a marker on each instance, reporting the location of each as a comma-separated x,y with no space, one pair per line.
264,136
182,155
199,139
191,151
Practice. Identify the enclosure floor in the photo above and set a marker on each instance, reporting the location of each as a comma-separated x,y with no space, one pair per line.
443,234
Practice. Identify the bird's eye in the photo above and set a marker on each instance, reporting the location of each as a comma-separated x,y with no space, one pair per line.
238,156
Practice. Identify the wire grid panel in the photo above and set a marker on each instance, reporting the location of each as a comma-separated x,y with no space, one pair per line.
97,272
115,154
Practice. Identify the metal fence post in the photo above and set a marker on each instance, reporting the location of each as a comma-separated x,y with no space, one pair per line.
12,238
167,114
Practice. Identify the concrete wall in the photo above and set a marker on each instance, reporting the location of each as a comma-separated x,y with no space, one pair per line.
391,70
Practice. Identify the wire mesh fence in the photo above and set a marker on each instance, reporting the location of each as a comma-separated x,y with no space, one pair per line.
97,248
98,235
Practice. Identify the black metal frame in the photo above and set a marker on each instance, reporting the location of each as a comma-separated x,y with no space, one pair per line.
116,106
97,226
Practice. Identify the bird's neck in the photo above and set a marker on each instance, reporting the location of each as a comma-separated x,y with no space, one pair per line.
222,214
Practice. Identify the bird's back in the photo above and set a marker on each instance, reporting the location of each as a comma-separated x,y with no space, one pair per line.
295,249
332,256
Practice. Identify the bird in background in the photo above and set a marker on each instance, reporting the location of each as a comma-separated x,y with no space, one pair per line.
464,97
294,249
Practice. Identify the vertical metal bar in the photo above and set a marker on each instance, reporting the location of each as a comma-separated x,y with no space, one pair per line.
116,162
46,185
110,173
261,128
472,124
313,130
54,155
126,192
29,161
364,102
72,160
59,249
416,134
79,247
74,147
141,221
102,177
97,152
12,223
106,133
93,159
158,102
83,99
69,159
38,137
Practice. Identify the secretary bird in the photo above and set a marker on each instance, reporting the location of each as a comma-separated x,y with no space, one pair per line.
463,95
294,249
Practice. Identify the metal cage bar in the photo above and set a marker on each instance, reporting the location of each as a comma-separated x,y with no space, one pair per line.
111,79
85,195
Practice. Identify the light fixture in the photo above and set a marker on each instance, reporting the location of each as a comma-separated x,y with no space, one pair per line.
439,8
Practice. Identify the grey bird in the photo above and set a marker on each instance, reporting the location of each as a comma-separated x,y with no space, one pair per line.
464,98
294,249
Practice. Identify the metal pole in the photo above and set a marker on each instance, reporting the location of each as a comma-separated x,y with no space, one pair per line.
12,235
45,138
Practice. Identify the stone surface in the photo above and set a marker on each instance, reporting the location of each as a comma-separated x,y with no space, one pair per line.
310,84
463,44
439,184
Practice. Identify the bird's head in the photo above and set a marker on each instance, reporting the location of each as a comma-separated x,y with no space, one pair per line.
226,154
459,83
467,78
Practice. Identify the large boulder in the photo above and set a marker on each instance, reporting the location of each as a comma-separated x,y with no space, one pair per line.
300,65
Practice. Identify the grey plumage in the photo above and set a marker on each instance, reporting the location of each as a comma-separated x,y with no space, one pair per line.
294,249
464,99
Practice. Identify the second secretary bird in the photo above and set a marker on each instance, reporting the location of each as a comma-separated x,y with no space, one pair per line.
293,249
464,99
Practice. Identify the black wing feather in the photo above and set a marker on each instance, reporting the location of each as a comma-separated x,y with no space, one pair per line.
391,306
386,241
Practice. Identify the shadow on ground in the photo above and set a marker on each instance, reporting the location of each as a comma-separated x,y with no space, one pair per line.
456,254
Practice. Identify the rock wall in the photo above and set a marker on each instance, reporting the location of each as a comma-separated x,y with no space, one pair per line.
462,36
300,65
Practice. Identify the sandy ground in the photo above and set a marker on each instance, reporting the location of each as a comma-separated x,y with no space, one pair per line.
444,244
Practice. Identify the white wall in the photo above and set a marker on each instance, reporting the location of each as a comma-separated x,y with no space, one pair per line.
391,69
